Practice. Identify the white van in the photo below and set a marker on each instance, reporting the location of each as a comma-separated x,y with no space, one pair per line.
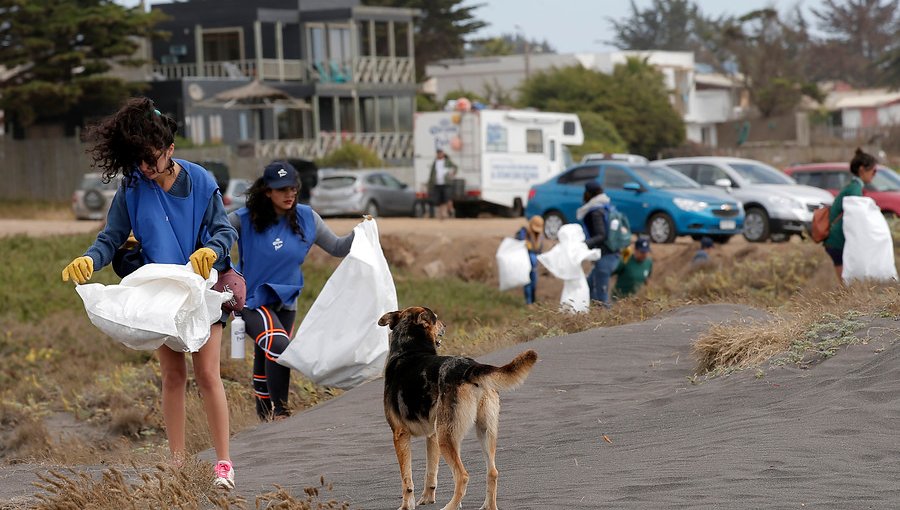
498,154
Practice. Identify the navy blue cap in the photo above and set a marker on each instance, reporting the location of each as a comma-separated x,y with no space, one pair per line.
706,242
593,187
280,174
642,245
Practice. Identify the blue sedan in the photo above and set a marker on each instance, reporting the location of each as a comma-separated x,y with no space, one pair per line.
658,201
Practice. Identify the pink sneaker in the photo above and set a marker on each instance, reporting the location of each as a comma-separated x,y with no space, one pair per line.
224,475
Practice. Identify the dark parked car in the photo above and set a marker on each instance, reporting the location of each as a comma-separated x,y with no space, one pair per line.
357,192
658,201
884,188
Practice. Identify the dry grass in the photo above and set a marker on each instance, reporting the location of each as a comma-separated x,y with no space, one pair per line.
164,486
36,210
816,324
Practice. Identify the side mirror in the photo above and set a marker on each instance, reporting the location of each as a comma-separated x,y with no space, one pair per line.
723,183
403,185
632,186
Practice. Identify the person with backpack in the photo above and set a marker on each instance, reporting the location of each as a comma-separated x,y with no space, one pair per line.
863,166
594,216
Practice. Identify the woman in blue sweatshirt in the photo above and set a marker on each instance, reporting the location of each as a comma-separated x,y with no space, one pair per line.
276,233
175,210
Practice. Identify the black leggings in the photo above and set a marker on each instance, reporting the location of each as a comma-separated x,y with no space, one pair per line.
271,381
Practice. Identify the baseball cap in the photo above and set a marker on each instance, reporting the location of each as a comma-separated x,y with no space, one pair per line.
280,174
642,245
593,187
706,242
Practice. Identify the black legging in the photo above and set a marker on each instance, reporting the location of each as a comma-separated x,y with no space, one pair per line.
271,381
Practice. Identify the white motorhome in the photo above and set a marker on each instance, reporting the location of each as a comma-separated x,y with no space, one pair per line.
499,154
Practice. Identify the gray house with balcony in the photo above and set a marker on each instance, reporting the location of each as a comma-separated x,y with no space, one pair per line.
329,71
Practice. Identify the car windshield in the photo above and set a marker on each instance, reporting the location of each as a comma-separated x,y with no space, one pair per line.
757,173
339,181
663,177
885,180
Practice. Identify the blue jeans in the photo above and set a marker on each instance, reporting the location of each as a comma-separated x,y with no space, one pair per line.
598,280
531,287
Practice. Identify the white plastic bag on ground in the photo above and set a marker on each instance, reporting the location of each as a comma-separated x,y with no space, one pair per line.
869,247
339,342
156,304
564,262
513,264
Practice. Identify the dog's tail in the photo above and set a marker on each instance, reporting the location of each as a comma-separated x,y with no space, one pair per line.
508,376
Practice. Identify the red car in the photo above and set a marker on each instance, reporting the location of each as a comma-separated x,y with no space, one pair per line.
884,188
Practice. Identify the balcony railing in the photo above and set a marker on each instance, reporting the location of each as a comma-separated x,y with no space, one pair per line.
360,70
388,146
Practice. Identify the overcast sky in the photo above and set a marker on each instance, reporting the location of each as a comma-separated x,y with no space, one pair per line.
572,26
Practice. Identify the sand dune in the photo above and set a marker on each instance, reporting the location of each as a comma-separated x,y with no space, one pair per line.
823,437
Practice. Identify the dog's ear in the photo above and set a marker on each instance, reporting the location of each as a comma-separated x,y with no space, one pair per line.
425,318
389,319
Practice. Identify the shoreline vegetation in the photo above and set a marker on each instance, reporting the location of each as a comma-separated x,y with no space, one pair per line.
72,397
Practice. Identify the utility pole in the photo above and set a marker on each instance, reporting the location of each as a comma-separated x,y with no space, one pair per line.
527,50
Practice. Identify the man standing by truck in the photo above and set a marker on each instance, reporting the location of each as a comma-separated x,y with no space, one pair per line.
442,171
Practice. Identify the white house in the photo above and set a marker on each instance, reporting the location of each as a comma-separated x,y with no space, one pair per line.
701,99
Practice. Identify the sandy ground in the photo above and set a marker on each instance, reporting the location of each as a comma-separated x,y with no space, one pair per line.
824,437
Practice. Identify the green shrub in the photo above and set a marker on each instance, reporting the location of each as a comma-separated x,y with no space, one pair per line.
350,155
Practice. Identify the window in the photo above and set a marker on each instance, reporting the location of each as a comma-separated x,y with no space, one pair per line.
569,128
807,178
495,138
579,175
615,178
552,145
386,114
534,140
374,180
222,44
685,169
709,174
391,182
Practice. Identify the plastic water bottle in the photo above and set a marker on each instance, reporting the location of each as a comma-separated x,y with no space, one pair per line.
237,337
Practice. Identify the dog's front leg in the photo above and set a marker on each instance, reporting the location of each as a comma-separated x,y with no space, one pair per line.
433,455
404,458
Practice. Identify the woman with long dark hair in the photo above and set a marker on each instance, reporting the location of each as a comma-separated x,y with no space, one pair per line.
276,234
175,210
863,166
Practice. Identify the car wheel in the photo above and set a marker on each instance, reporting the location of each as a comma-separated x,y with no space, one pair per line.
372,209
420,209
661,228
756,225
553,221
94,200
516,211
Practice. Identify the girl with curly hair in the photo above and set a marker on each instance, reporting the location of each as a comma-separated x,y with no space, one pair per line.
174,208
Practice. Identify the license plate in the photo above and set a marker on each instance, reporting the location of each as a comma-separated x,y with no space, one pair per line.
727,225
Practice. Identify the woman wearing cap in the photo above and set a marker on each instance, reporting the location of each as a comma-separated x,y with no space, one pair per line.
592,216
175,209
275,235
533,235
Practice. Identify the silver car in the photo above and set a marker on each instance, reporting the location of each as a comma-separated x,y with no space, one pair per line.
357,192
776,206
91,200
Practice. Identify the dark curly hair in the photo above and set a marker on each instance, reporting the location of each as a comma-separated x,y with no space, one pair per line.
134,134
861,160
262,212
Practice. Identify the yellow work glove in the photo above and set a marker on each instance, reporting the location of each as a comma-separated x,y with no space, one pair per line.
202,261
79,270
626,253
131,242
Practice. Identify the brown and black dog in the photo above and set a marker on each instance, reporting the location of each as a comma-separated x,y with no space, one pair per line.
441,397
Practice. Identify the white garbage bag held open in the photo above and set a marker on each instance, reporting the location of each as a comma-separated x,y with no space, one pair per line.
564,262
339,342
513,264
156,304
869,247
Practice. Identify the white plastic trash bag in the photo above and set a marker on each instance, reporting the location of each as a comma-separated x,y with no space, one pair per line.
339,342
156,304
869,247
513,264
564,262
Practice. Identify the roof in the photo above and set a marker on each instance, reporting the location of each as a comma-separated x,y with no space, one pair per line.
864,98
